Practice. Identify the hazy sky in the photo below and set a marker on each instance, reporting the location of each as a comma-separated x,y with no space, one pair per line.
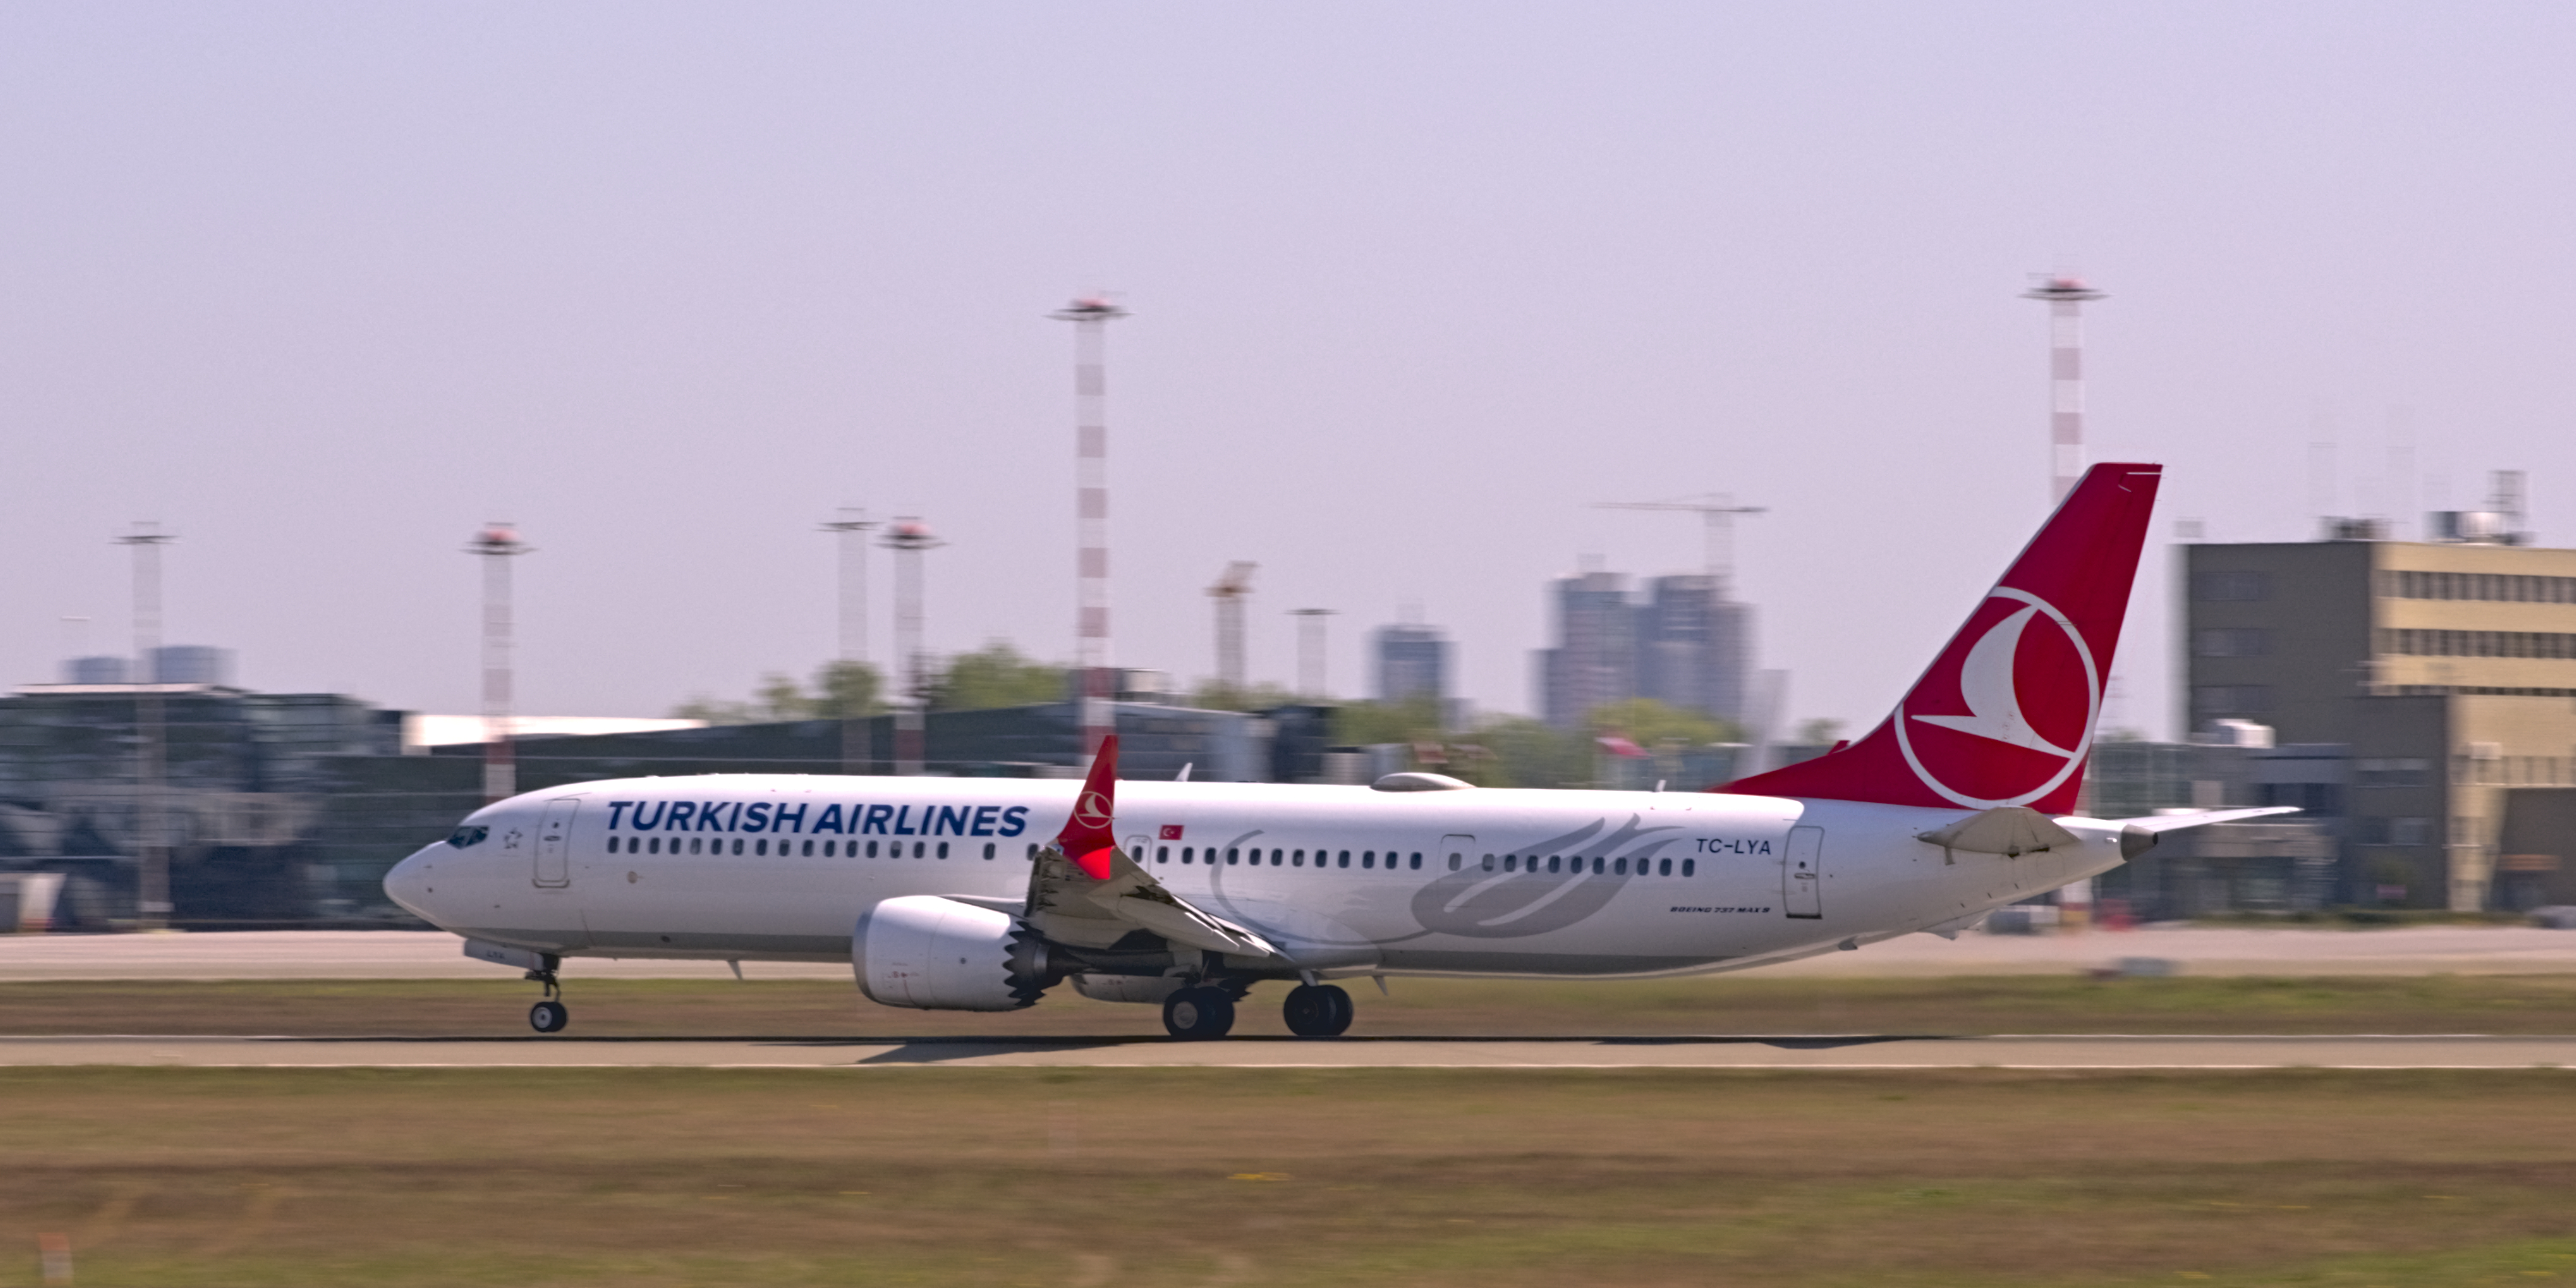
321,287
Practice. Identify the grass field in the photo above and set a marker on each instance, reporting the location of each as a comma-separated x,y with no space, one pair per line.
1184,1177
1439,1008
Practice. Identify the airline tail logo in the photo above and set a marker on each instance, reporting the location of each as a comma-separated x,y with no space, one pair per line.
2004,715
2035,691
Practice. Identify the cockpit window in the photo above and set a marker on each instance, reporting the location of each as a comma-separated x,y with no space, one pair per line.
468,835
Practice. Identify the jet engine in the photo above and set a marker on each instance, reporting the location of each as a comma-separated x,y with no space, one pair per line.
937,954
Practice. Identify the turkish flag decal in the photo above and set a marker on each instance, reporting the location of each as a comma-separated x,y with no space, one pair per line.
1171,832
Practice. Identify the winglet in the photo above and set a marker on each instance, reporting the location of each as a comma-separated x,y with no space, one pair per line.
1087,838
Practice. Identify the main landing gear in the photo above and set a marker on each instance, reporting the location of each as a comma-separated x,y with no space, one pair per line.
1318,1011
1199,1012
1206,1011
550,1015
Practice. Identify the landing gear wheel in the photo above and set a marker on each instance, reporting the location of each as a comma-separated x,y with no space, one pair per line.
1197,1013
548,1016
1318,1011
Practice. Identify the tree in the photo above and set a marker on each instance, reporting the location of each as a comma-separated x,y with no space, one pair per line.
1819,732
1415,719
842,690
1520,752
1212,696
996,676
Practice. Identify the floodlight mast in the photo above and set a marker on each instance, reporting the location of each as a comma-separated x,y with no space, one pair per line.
152,903
852,533
2065,295
1232,587
1091,316
496,545
909,538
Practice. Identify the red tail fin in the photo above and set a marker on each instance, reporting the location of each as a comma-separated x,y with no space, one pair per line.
1088,832
2005,714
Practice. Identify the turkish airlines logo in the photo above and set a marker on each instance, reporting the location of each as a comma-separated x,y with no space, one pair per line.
2031,692
1091,810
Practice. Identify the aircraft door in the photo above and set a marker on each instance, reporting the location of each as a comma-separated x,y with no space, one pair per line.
1802,873
1136,849
554,843
1456,852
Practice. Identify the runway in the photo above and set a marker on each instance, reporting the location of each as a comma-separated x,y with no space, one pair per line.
1819,1052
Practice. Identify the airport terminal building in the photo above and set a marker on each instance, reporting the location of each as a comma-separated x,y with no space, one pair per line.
2446,673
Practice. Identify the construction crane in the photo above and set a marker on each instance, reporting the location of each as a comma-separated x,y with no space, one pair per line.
1229,592
1718,511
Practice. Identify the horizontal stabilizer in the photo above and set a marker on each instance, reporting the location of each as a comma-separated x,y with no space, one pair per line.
2139,835
2008,830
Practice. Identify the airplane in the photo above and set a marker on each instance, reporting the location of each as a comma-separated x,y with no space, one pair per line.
983,894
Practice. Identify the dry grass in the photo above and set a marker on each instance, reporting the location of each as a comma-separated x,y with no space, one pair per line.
1173,1177
1435,1008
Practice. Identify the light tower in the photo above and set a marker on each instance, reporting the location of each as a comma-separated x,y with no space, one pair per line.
2066,295
1310,651
1229,592
151,756
908,537
496,545
1091,317
852,530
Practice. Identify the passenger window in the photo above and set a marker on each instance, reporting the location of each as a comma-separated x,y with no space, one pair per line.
1368,859
737,844
872,849
1298,859
1663,867
1619,867
1416,862
1511,863
655,846
1230,856
761,847
943,849
1454,860
1033,851
1690,867
1163,854
1344,861
1489,863
807,852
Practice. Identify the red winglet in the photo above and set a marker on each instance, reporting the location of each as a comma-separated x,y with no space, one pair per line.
1086,838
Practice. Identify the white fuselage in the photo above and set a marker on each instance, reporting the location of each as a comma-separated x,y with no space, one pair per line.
1344,880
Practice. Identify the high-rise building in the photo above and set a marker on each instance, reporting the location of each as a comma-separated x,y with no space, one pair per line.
2447,668
1595,658
1684,645
1412,662
1694,646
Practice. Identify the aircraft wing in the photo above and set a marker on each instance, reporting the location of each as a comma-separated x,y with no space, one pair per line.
1087,892
1072,906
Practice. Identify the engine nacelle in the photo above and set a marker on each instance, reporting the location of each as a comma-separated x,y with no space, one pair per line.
1150,989
938,954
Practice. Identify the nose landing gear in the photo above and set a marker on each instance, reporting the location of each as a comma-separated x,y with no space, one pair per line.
1318,1011
550,1015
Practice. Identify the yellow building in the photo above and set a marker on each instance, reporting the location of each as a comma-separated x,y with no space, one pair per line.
2448,668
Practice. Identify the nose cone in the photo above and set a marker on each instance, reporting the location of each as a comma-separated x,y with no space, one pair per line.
413,883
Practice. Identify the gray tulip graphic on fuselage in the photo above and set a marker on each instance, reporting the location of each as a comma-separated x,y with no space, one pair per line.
1508,905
